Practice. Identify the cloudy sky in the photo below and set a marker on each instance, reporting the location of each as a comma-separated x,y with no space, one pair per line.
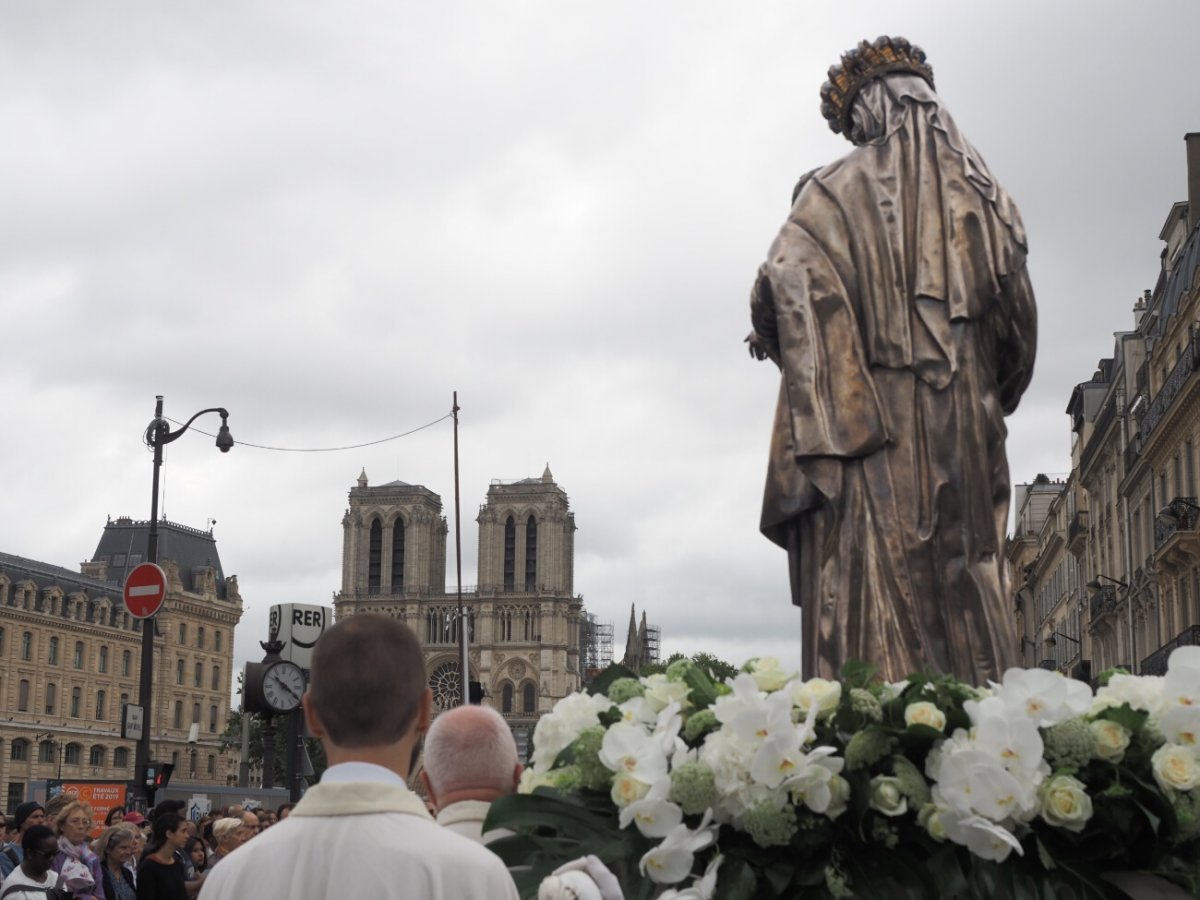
327,217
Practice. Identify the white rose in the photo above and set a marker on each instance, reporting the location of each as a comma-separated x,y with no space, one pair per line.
1175,768
661,692
925,713
568,886
769,675
886,796
930,819
1112,739
1065,803
826,694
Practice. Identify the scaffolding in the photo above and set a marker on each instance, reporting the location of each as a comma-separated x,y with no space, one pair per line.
653,644
596,645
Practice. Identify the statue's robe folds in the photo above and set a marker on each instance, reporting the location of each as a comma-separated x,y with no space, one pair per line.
896,302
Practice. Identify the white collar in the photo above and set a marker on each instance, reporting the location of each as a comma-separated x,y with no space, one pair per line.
463,811
346,772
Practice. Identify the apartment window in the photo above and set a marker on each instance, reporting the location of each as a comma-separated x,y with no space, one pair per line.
178,720
52,652
77,659
216,640
96,756
126,662
183,632
74,752
198,676
216,679
76,702
103,662
120,758
46,752
23,695
212,718
27,645
19,752
212,764
179,671
51,696
200,637
101,699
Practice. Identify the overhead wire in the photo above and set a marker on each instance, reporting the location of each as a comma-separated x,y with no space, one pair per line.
394,437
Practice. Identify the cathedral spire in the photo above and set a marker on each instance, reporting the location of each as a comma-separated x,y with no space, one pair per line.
362,478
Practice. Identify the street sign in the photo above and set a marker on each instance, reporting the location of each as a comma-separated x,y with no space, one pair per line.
298,626
131,722
145,590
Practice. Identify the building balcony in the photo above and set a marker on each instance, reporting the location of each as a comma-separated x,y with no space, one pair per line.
1176,537
1077,531
1103,602
1156,662
1171,388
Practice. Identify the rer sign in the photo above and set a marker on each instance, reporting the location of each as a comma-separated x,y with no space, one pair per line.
299,627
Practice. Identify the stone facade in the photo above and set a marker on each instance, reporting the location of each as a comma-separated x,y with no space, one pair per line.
70,657
1132,514
524,620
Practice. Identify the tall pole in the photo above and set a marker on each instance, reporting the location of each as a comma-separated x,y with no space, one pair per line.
462,610
146,683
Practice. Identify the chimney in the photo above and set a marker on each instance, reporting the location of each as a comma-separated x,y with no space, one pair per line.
1192,139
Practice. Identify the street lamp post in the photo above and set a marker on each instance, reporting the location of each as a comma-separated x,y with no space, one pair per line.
158,435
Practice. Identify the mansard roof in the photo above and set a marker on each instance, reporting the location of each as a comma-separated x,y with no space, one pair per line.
124,542
44,575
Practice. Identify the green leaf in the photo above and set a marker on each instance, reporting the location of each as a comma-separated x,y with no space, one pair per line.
856,674
703,692
735,880
1044,856
1126,716
546,809
867,747
600,684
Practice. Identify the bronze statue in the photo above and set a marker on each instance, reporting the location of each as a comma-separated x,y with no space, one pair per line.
896,303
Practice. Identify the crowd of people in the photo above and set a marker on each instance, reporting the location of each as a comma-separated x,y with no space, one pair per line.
47,850
360,832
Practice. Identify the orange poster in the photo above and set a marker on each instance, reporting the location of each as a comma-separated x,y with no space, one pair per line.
101,796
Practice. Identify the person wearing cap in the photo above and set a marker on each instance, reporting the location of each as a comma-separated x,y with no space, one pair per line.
361,832
26,816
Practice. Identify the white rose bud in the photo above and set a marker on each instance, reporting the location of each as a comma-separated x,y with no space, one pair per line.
930,819
925,713
768,675
886,796
1175,768
839,801
1065,803
826,694
1111,739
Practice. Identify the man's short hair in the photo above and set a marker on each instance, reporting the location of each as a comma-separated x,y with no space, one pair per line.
222,828
470,747
33,836
368,677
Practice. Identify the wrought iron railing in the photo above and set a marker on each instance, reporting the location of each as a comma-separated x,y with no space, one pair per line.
1171,387
1156,662
1078,526
1182,518
1103,601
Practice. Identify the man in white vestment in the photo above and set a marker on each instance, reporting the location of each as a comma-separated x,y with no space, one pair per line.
361,832
470,760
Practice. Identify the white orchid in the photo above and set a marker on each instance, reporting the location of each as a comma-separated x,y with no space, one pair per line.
1181,686
1046,697
701,889
1012,737
654,815
1181,725
752,714
983,838
672,860
1141,692
629,750
559,728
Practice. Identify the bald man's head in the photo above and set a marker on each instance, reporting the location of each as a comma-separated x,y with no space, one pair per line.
470,754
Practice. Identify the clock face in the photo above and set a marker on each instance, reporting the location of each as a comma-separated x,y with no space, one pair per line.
283,686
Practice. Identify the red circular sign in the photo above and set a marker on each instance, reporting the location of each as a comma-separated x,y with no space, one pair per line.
145,590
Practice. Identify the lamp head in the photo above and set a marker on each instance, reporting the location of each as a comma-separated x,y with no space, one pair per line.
224,438
1051,641
1094,585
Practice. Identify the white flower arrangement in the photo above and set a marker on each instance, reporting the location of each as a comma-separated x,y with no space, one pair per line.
772,786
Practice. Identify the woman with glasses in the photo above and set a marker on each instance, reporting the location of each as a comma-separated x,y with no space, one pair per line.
33,878
75,862
115,847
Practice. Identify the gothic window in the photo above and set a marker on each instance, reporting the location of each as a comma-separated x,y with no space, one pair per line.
212,718
77,659
74,752
446,685
126,662
529,698
76,702
530,553
103,662
177,721
398,556
27,645
182,633
100,704
23,695
375,557
441,625
510,554
216,681
19,750
52,652
120,758
506,698
96,755
198,678
51,696
200,637
196,713
46,751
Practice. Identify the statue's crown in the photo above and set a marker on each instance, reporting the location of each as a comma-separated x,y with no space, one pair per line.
867,61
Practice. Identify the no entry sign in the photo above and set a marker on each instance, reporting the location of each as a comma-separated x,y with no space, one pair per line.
145,589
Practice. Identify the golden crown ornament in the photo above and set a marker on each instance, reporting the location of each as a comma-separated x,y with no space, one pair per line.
867,61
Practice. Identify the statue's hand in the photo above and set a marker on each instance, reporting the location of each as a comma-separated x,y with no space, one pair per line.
759,348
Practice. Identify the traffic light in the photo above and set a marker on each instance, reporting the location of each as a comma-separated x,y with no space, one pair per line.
475,692
158,775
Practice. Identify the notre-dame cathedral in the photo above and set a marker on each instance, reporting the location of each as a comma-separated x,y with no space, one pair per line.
524,620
